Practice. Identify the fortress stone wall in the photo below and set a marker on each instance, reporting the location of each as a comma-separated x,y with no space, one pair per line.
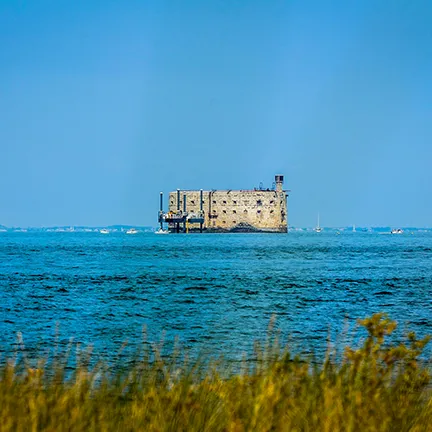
237,210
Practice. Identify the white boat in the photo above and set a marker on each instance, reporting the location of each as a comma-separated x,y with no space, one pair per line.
131,231
104,231
318,228
397,231
161,231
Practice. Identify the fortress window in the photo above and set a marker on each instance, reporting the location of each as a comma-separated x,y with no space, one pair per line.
224,201
224,222
214,202
234,211
259,202
272,202
224,211
258,211
245,211
214,211
234,221
193,202
271,211
234,202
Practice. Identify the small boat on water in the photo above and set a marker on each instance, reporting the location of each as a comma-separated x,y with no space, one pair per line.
318,229
397,231
131,231
104,231
161,231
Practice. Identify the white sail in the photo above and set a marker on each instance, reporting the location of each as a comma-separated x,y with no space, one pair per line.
318,228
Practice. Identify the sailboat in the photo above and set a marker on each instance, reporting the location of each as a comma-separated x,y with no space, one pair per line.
318,228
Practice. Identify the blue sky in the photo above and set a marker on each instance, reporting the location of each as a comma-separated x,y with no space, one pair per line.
104,104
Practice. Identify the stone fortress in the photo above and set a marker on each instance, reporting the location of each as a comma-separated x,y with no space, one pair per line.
257,210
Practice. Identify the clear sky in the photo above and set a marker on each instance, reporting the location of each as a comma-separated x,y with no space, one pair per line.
105,103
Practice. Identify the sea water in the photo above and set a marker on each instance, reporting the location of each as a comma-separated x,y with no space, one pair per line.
216,293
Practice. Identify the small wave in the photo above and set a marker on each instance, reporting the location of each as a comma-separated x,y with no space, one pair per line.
177,327
293,285
196,288
187,301
319,300
423,322
117,278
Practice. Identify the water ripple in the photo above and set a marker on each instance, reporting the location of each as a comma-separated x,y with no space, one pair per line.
216,292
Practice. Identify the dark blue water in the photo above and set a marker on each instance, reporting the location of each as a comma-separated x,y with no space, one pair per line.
215,292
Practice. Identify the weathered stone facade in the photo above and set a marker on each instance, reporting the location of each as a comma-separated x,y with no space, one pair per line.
237,210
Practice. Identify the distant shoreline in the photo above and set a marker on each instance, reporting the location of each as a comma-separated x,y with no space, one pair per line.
149,229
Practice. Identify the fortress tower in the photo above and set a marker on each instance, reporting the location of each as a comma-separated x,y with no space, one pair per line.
279,183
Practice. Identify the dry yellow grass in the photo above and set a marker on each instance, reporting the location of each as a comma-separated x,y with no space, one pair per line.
377,386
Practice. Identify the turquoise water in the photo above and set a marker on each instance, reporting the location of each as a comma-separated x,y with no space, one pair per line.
215,292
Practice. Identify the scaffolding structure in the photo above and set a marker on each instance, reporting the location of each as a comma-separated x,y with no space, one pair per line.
179,220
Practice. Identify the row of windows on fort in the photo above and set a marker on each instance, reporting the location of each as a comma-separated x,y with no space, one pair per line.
224,202
258,212
244,211
224,222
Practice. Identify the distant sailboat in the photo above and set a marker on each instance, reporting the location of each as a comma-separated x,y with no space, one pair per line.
318,228
354,228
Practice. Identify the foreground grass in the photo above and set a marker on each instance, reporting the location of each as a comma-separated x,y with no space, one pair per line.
377,386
